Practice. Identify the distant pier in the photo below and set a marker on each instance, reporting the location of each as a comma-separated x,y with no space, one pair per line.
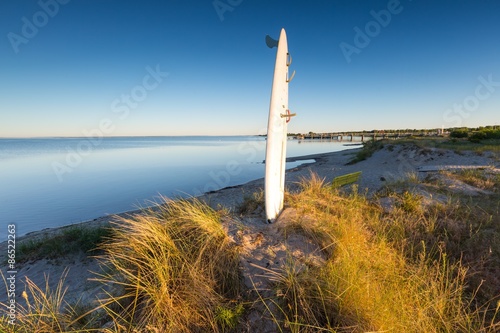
351,136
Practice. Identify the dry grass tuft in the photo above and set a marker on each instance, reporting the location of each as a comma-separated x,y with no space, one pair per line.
45,311
385,271
418,267
176,267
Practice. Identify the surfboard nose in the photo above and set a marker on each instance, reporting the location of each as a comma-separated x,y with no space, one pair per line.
271,42
282,34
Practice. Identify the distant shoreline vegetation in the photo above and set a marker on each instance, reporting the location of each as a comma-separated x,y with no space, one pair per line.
473,134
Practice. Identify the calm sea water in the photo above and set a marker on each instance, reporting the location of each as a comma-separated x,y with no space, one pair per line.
58,181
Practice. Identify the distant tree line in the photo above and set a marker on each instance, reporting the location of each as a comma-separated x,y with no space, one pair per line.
473,134
476,134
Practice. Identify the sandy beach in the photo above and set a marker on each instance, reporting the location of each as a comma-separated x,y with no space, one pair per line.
262,243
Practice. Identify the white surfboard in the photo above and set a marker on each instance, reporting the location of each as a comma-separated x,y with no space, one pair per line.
279,116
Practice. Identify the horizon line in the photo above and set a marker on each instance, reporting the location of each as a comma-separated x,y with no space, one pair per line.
229,135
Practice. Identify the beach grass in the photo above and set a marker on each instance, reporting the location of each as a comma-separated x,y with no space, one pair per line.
419,266
251,203
45,310
175,268
368,149
455,144
478,178
384,271
68,241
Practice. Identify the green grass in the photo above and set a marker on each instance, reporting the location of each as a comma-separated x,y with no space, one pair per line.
458,145
251,203
228,317
368,149
70,240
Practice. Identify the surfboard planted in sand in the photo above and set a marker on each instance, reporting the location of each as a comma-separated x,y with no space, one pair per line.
279,116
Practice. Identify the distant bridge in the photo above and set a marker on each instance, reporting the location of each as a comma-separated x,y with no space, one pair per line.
352,136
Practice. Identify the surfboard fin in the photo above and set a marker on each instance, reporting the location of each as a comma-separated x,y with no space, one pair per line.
290,78
270,42
289,59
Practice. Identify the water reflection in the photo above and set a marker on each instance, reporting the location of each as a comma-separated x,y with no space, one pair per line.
121,174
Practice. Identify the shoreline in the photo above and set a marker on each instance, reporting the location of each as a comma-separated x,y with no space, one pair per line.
384,166
390,166
106,219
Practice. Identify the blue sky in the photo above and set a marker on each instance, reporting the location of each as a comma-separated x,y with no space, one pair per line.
67,67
